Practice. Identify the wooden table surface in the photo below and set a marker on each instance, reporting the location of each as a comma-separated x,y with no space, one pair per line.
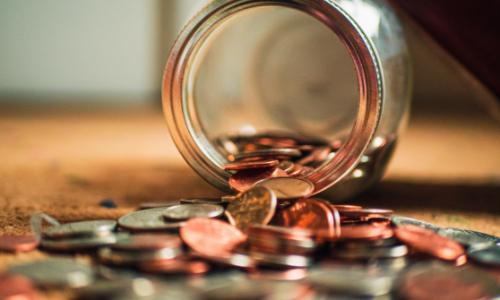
446,169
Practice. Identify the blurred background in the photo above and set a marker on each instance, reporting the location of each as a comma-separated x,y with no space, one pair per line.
113,52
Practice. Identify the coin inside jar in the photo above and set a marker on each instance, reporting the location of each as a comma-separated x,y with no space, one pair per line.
244,180
288,187
188,211
246,165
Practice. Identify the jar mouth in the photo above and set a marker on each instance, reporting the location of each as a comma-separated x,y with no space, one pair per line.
180,107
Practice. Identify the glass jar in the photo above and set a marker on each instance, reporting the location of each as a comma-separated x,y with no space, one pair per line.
335,71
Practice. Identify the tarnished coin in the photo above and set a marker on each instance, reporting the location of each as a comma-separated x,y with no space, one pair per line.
466,237
18,243
315,215
255,206
211,237
183,212
274,152
402,220
80,229
147,241
147,220
55,272
429,242
13,287
80,243
246,179
288,187
355,281
246,165
487,255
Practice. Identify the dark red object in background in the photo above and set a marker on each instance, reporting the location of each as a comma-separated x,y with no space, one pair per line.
468,30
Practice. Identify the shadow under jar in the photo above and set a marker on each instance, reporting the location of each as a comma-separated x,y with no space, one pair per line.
326,74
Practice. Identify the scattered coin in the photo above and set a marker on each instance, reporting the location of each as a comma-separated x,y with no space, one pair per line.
288,187
211,237
255,206
468,238
366,232
55,272
14,287
80,229
18,243
486,254
149,205
79,243
346,207
236,260
175,266
281,260
134,258
147,220
402,220
429,242
183,212
147,241
217,201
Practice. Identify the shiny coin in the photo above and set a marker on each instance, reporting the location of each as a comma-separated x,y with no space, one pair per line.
217,201
288,187
79,243
55,272
363,252
245,180
79,229
351,281
366,232
281,260
149,205
246,165
236,260
366,213
211,237
429,242
255,206
286,166
14,287
147,241
315,215
466,237
188,211
345,207
487,255
274,152
175,266
281,240
122,258
147,220
18,243
241,289
401,221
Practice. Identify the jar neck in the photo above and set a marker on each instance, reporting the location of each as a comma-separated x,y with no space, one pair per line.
178,82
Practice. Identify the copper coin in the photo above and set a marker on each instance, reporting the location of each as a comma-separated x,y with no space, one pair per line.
22,243
246,165
317,155
311,214
243,180
147,241
366,232
211,237
274,152
429,242
286,166
287,188
255,206
175,266
236,260
366,213
13,287
344,207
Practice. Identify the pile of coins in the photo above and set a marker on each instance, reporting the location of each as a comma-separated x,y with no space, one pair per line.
259,244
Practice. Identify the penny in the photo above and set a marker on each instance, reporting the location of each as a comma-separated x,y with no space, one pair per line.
286,166
288,187
147,220
175,266
132,258
18,243
149,205
487,255
366,232
147,241
317,155
312,214
237,260
281,240
211,237
345,207
55,272
275,152
429,242
246,165
79,229
255,206
366,213
16,288
402,220
188,211
246,179
467,238
79,243
287,274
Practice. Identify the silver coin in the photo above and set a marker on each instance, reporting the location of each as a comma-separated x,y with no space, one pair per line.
243,290
79,229
55,272
106,289
354,281
288,187
216,201
466,237
281,260
289,152
486,254
401,221
125,258
188,211
237,260
371,252
147,220
81,243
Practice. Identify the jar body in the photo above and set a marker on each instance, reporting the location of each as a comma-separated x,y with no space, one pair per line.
335,70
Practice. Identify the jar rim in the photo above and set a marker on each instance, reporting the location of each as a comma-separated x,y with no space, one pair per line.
177,101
